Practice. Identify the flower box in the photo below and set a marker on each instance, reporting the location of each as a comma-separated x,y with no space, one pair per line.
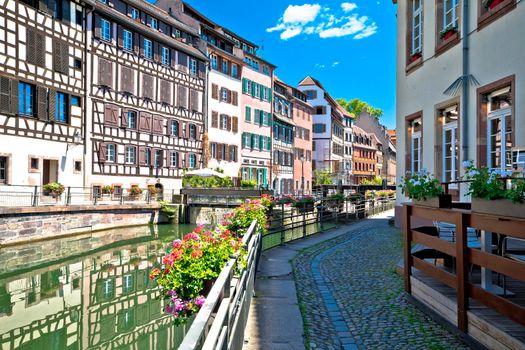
304,207
415,57
498,207
449,35
442,201
494,3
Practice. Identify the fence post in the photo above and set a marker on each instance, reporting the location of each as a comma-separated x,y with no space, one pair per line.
282,223
68,196
35,197
304,219
336,211
461,271
407,213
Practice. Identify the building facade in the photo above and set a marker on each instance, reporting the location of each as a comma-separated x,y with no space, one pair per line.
448,111
367,155
327,129
348,150
42,82
146,100
283,135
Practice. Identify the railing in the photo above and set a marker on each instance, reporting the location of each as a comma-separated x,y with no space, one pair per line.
27,196
221,196
221,321
288,223
459,276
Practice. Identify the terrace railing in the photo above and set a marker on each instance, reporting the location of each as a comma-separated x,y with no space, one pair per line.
27,196
464,257
222,319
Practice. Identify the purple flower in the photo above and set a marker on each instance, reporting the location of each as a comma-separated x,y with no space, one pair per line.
169,309
200,301
178,305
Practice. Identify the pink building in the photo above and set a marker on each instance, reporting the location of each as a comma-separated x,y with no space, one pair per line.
256,108
302,116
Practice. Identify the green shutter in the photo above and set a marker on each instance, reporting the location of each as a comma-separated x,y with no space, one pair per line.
244,85
248,114
269,144
261,92
261,117
270,92
243,140
264,177
252,141
253,88
255,116
261,142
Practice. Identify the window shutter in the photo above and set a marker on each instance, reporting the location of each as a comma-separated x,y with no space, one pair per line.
268,143
219,151
169,155
187,165
141,45
229,96
13,96
137,46
31,46
156,51
253,88
97,26
124,118
243,140
244,86
183,59
105,73
102,151
158,124
40,50
248,116
142,155
198,132
235,124
182,96
214,119
215,91
235,98
126,80
194,100
120,36
145,122
181,160
202,70
181,129
57,55
5,98
147,86
188,130
174,58
261,142
165,91
52,105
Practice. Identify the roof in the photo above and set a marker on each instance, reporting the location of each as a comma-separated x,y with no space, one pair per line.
309,80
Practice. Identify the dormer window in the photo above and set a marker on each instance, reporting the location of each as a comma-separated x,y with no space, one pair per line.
154,23
135,14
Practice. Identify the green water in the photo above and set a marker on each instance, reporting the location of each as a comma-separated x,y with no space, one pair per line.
90,291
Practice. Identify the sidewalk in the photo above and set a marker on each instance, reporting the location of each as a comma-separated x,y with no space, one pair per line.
349,293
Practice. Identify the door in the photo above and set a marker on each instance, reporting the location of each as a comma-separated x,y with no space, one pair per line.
49,171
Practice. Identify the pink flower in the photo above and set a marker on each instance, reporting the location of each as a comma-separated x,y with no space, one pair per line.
168,260
192,236
200,301
154,273
177,243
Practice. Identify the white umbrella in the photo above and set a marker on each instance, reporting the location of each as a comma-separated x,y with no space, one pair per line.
205,173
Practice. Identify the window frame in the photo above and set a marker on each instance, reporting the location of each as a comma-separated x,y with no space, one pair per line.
148,52
62,107
105,32
417,12
4,169
127,40
453,128
113,153
165,56
128,114
415,136
127,155
193,66
174,125
24,100
499,114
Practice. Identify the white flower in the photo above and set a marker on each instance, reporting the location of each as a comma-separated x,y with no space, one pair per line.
424,172
473,172
467,163
507,173
417,183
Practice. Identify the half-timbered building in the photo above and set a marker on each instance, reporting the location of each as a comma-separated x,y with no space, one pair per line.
42,82
147,93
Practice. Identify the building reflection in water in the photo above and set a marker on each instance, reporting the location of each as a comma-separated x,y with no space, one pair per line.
101,298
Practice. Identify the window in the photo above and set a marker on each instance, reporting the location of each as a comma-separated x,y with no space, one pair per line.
234,70
154,24
75,101
415,145
311,94
26,99
248,114
148,49
193,66
61,114
128,40
450,16
417,25
174,159
224,67
224,122
147,156
127,285
224,95
320,110
266,70
34,163
131,155
499,130
233,153
213,149
192,158
158,158
193,132
449,144
213,59
78,166
132,119
135,14
111,153
174,128
319,128
105,30
165,56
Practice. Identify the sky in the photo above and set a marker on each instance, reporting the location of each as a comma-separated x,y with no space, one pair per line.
349,46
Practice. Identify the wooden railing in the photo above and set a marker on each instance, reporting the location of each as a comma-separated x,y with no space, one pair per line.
464,257
221,321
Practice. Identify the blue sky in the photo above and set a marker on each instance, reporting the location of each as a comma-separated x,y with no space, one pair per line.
348,45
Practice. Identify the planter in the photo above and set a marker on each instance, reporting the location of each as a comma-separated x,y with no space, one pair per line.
494,4
448,35
443,201
415,57
498,207
305,208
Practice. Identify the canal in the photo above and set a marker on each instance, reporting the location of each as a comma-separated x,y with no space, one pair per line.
89,291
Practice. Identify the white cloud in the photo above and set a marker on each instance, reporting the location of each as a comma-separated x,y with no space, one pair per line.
309,19
348,6
335,64
301,14
320,66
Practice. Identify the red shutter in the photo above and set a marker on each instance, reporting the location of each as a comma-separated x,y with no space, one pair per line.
229,94
181,158
124,118
181,129
187,162
235,98
214,91
235,124
214,119
219,151
188,130
145,122
142,155
102,151
229,119
158,124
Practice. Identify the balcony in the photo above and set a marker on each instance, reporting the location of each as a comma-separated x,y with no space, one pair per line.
469,269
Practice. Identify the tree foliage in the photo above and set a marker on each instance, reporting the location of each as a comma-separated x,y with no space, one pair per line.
356,107
322,177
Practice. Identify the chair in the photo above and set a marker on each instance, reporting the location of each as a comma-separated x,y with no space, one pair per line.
516,253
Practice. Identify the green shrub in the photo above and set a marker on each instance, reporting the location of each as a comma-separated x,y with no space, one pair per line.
54,188
189,181
248,183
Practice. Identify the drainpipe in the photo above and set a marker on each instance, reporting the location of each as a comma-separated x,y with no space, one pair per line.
465,83
86,91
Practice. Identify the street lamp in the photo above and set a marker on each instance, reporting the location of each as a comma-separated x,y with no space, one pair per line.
302,174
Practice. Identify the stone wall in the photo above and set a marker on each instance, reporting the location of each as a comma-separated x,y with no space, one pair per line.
19,225
208,216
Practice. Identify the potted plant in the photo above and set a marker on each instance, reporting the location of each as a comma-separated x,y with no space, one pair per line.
448,32
54,189
107,191
134,192
415,56
248,183
491,4
304,204
496,192
425,190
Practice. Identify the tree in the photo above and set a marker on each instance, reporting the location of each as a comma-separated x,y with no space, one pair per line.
322,177
356,107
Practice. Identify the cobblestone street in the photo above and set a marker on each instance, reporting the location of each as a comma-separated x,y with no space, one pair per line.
351,297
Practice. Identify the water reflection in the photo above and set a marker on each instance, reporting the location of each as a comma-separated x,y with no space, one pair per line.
88,291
